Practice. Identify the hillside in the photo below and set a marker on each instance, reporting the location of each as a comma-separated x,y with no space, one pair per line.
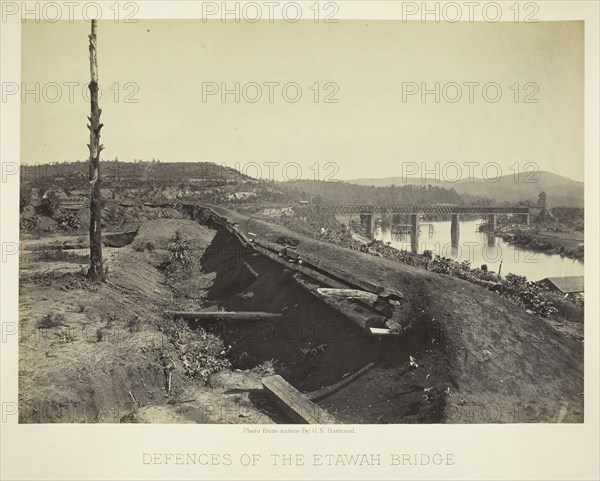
146,181
351,193
561,190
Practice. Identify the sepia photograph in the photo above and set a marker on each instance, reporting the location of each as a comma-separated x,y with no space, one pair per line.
194,269
279,214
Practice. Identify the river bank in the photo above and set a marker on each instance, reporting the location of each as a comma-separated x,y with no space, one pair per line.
567,244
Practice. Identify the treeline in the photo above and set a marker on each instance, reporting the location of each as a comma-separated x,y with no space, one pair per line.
345,193
115,170
570,216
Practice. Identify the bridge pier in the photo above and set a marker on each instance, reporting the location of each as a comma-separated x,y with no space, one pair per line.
454,230
492,223
414,233
367,221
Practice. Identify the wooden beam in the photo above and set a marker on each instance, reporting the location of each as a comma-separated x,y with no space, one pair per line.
353,310
382,331
294,404
251,270
323,279
367,297
333,388
226,315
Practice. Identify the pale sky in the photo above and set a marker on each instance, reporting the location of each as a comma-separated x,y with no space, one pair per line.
369,132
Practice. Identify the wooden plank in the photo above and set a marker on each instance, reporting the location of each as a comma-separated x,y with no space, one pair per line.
367,297
226,315
360,314
382,331
333,388
294,404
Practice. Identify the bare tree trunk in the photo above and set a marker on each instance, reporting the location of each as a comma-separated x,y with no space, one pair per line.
96,271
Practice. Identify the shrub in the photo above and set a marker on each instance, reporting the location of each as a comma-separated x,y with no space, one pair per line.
69,221
529,295
51,320
178,246
267,367
29,223
201,353
50,203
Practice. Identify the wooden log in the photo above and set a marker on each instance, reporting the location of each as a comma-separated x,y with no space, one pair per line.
378,303
367,297
360,314
327,391
251,270
294,404
323,279
227,315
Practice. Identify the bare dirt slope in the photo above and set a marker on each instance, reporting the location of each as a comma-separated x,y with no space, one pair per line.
102,362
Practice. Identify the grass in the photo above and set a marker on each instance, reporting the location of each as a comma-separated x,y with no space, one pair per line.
134,324
267,367
50,321
50,255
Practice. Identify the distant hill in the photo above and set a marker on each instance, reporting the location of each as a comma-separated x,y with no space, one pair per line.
560,191
149,181
172,171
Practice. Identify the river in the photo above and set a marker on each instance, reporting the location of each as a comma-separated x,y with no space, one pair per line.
478,248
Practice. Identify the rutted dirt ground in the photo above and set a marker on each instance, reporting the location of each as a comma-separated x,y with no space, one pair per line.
71,373
477,357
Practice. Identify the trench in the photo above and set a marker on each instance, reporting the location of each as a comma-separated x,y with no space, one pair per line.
312,346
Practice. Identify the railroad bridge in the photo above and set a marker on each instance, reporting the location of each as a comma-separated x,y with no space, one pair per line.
368,211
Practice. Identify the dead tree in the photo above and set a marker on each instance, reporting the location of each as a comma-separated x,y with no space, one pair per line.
96,271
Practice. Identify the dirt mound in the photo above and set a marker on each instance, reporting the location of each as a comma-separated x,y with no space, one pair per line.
118,239
161,231
477,357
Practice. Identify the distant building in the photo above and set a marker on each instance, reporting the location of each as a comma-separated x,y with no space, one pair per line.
566,285
241,195
303,202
